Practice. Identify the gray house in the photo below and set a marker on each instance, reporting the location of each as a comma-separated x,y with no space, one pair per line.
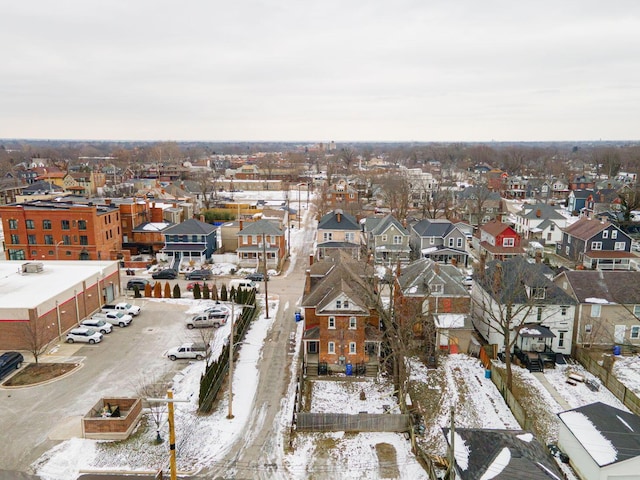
439,240
387,240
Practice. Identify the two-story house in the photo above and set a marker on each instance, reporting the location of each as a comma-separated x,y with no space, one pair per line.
191,241
577,200
601,200
342,326
440,240
519,298
338,231
497,241
387,240
260,240
341,195
582,182
608,310
430,298
477,205
596,244
540,222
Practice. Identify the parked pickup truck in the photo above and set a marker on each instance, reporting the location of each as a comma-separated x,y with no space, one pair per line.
189,350
211,319
114,318
133,310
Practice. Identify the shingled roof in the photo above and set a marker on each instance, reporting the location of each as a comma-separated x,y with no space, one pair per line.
502,454
416,277
433,228
190,227
338,220
614,286
585,228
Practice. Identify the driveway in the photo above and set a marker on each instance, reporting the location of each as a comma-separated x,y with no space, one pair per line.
41,416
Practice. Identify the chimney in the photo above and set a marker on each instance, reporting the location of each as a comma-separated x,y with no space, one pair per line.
538,213
107,201
483,264
307,283
201,218
398,269
538,257
311,259
436,268
454,262
241,225
339,217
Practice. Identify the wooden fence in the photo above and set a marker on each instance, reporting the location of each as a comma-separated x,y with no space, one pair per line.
361,422
622,393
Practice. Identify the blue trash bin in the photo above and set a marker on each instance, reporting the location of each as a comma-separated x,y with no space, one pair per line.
349,369
616,350
487,373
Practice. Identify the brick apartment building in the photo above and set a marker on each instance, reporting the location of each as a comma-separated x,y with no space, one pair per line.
51,230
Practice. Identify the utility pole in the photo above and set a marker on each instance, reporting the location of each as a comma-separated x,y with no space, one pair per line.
287,193
452,436
264,260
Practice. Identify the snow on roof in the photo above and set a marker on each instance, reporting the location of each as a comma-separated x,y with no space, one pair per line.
531,331
449,320
429,250
525,437
413,289
596,300
498,465
461,451
599,447
155,226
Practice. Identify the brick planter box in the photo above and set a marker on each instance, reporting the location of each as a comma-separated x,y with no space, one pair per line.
112,418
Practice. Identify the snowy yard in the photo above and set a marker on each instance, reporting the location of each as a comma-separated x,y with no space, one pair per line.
627,370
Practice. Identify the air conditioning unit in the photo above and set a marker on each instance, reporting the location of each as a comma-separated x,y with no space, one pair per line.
32,267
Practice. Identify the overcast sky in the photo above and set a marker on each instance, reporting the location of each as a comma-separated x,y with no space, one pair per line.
367,70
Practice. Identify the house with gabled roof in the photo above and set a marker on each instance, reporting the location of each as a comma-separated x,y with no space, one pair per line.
602,442
342,326
608,306
439,240
541,222
387,240
497,241
338,230
260,238
501,455
577,199
192,240
596,244
432,297
540,315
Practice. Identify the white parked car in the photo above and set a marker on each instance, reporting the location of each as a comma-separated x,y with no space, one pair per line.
121,307
97,324
114,318
84,334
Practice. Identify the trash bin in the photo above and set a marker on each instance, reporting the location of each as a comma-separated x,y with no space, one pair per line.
487,373
349,369
616,350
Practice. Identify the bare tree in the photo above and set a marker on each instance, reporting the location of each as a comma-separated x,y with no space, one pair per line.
396,192
503,297
629,201
267,163
36,335
348,157
206,187
149,386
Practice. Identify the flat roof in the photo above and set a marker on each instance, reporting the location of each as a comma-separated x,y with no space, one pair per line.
30,290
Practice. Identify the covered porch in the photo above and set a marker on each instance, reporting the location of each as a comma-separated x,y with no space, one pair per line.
533,347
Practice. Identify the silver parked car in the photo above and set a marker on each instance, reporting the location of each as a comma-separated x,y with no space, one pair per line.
84,335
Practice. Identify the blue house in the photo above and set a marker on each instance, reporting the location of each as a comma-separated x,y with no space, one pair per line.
191,239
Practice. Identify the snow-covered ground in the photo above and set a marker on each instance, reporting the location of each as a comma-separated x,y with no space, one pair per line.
201,440
627,370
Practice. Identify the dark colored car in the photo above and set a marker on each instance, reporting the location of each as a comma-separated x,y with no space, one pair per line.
9,362
166,274
137,282
199,275
257,277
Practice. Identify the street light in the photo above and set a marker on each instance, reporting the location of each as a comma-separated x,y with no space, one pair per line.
231,343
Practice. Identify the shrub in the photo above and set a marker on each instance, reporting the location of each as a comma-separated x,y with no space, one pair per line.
176,291
196,291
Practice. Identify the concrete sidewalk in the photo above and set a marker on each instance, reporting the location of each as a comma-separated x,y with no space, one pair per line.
551,389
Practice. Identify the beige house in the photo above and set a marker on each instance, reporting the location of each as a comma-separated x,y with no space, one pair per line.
338,231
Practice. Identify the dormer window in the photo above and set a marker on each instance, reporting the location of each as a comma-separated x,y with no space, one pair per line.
436,288
338,304
538,293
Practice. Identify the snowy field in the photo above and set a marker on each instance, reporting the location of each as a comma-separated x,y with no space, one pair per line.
627,370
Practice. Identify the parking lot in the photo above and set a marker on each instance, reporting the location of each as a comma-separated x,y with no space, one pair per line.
42,415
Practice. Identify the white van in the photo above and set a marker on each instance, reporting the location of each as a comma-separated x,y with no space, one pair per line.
243,283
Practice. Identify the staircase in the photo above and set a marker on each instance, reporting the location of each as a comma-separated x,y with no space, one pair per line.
372,370
535,364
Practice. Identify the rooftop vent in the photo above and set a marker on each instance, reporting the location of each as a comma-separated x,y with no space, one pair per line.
32,267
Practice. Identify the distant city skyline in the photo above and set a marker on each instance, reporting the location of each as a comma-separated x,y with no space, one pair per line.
286,70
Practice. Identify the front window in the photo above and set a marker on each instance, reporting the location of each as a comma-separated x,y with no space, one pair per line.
596,245
561,339
352,348
331,347
635,332
15,239
614,234
539,314
13,224
619,246
84,240
16,254
383,238
563,310
82,224
46,224
65,224
31,239
460,242
349,237
332,323
48,239
539,293
508,242
66,240
436,288
327,236
31,225
595,310
353,323
397,240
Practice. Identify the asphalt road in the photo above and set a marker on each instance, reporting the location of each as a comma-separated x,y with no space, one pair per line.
256,455
41,416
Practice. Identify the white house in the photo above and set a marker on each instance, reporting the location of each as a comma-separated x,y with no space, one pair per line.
602,442
540,222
